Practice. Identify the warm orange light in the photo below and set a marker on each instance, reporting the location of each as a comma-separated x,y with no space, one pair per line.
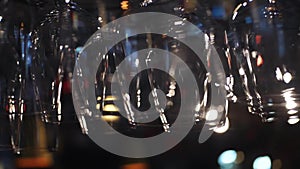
124,5
135,166
35,162
259,61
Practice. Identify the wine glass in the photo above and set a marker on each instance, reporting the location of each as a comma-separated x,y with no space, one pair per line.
264,38
147,85
7,58
18,93
56,41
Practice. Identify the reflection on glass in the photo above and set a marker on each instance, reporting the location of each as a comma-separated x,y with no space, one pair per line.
56,42
148,85
7,56
19,103
264,38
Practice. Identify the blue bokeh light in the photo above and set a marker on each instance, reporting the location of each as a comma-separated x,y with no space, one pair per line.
263,162
227,157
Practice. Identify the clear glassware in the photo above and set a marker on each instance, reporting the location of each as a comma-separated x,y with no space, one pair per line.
264,38
7,62
56,41
18,94
212,19
147,85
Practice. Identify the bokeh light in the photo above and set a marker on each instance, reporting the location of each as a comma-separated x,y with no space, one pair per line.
227,157
262,162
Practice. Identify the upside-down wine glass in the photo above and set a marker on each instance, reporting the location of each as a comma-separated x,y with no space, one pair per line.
113,96
264,38
56,42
